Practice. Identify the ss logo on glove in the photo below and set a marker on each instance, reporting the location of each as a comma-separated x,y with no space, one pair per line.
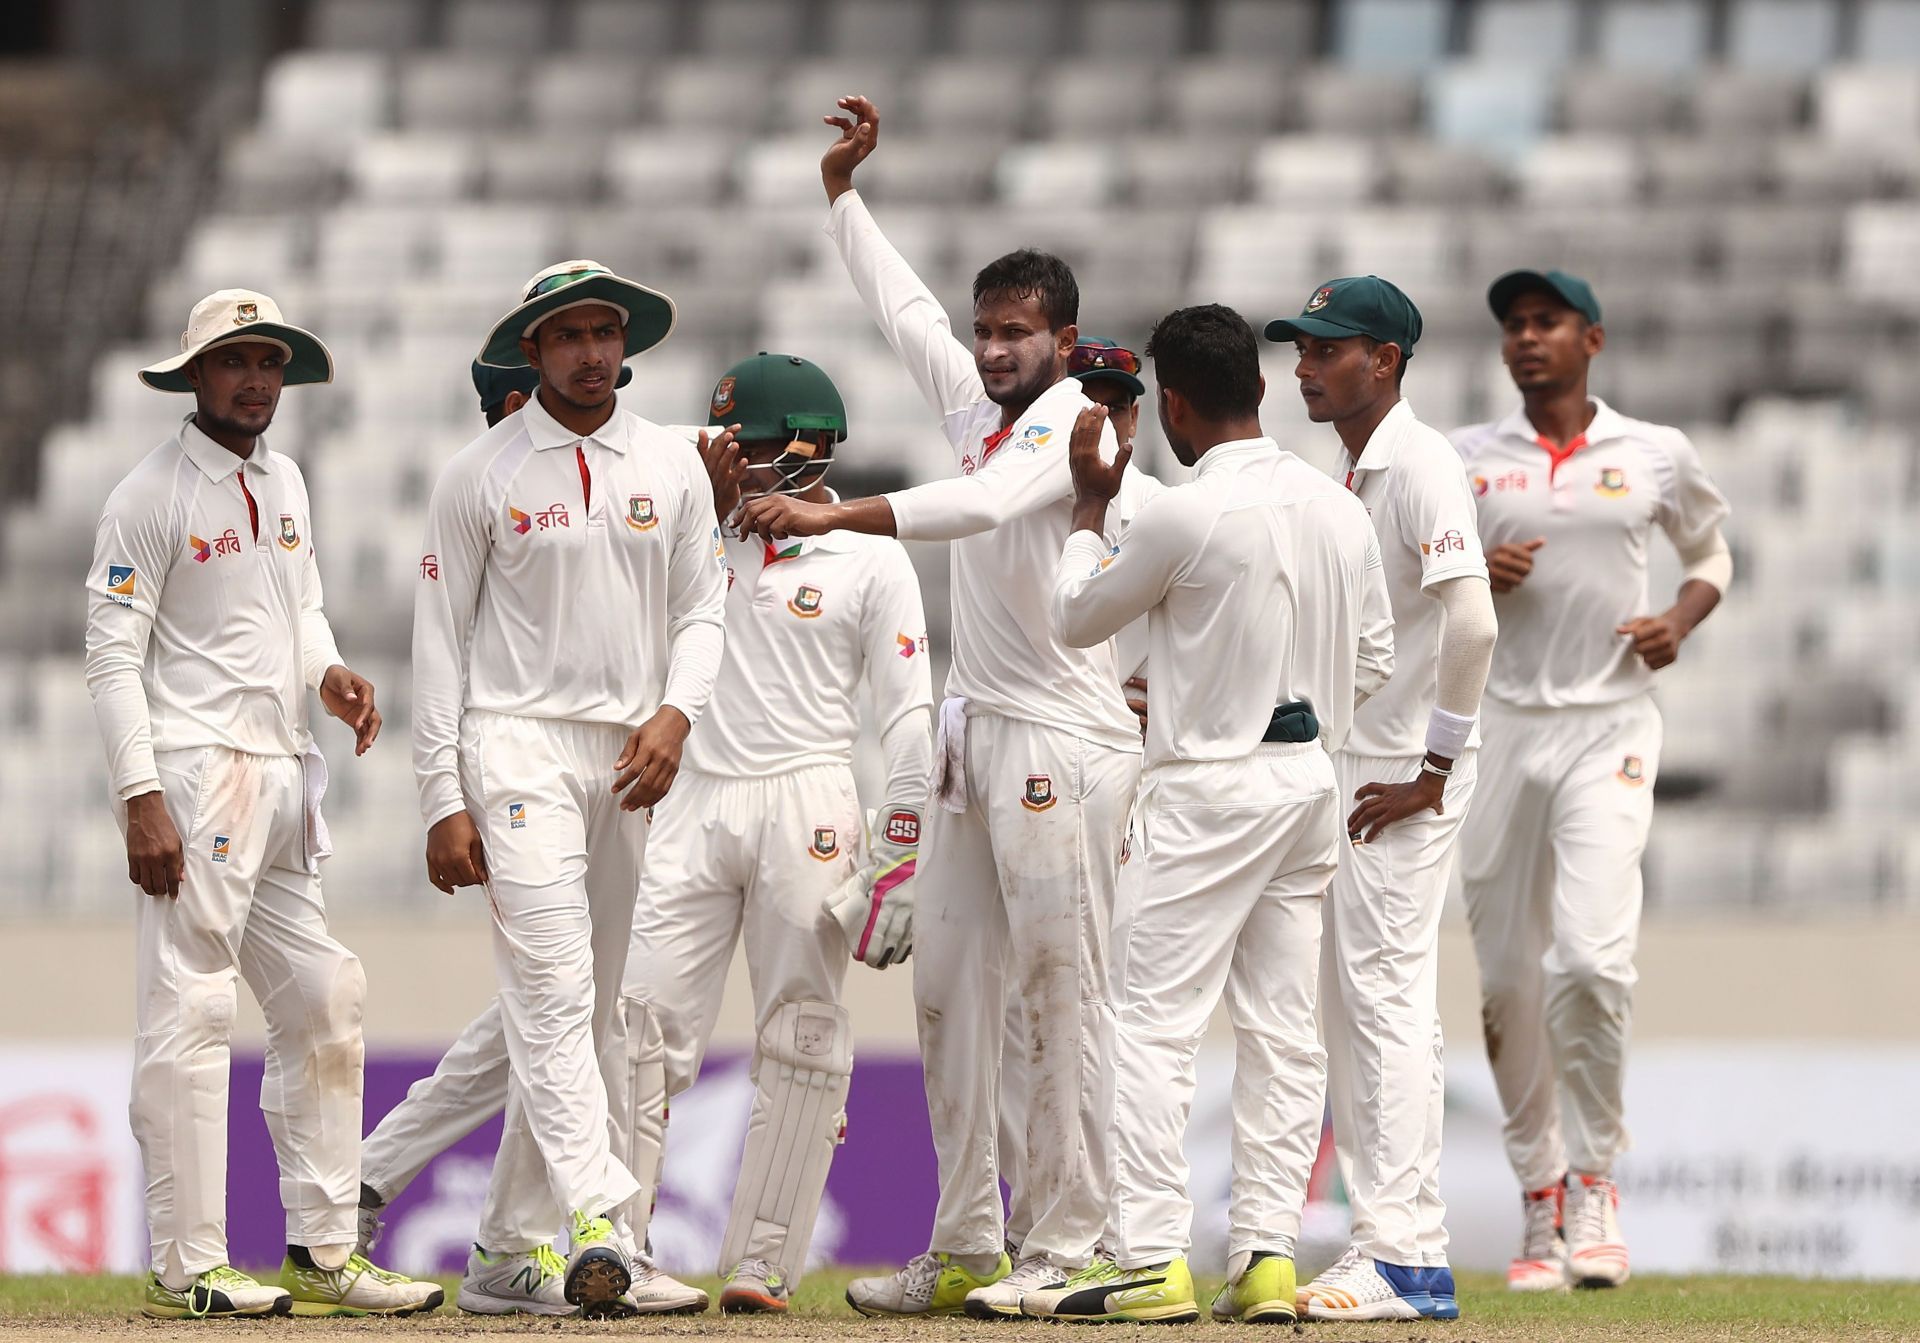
903,827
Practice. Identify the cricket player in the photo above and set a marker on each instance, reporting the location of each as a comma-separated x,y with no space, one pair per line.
1409,766
1267,619
763,835
1036,761
1570,491
567,632
205,632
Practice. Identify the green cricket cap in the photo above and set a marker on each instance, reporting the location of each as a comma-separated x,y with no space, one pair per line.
1571,290
1354,305
775,396
493,384
1089,361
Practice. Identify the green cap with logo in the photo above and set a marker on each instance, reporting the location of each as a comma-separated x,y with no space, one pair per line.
777,396
1354,305
1571,290
1097,357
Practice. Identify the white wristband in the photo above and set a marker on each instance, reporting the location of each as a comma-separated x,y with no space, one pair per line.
1447,733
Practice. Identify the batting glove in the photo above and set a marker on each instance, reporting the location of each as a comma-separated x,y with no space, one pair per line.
874,908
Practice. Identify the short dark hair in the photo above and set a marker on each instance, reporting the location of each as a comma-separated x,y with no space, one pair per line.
1209,355
1041,275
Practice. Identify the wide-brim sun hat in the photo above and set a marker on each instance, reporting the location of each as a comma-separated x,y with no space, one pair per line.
648,314
229,316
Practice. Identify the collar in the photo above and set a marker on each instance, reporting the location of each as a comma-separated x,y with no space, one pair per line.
794,547
1607,423
1065,393
546,432
1384,443
214,461
1226,456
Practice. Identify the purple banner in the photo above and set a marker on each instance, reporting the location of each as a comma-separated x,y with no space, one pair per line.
878,1207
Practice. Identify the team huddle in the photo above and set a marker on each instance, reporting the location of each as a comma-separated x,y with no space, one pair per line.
1211,741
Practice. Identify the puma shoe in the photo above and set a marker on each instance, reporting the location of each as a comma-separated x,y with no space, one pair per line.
218,1294
1001,1300
358,1288
1103,1293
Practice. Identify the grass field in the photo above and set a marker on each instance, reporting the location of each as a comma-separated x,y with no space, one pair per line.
1648,1310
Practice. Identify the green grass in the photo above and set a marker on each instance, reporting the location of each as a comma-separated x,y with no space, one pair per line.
1649,1308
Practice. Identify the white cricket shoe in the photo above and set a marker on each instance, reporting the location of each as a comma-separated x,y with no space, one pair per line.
1359,1287
533,1283
930,1284
656,1292
1596,1254
359,1288
756,1286
1001,1300
1541,1265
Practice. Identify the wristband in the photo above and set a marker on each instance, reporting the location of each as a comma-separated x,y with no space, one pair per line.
1447,733
1428,767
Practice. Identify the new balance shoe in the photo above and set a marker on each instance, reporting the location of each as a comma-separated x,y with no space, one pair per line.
533,1283
1001,1300
1596,1253
358,1288
754,1287
218,1294
1261,1292
654,1291
1103,1293
1541,1265
598,1270
930,1284
1359,1287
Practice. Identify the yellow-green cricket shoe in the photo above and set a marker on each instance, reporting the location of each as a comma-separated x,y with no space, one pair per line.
1263,1293
218,1294
361,1288
930,1284
1103,1293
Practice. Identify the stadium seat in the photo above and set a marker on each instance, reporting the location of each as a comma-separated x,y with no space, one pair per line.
1422,173
455,91
1414,248
1789,243
497,247
224,251
807,91
893,29
545,169
294,175
646,29
950,169
418,167
1692,169
1652,34
1868,103
1882,249
684,168
1266,257
1594,169
712,94
325,96
1098,98
1315,172
1007,28
371,244
1725,103
1133,28
506,27
1495,110
1597,101
1052,172
1174,170
1336,101
1887,31
750,28
1698,858
1818,866
1223,96
970,95
1782,34
611,90
783,170
1532,33
1814,170
1390,34
367,25
1275,32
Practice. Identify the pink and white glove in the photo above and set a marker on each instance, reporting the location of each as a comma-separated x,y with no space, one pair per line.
874,907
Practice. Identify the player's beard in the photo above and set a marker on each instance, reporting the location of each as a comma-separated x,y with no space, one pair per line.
222,424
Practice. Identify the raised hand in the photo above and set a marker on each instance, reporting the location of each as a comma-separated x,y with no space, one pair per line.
726,469
1094,479
859,136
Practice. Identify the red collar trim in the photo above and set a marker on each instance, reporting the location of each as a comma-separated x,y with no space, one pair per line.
992,442
1557,455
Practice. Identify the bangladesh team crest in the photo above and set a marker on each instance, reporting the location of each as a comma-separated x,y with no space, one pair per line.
723,395
1039,795
1633,772
806,602
245,312
826,843
640,514
1613,482
289,534
1320,299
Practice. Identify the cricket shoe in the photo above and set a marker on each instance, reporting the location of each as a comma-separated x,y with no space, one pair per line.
598,1270
754,1287
1541,1265
218,1294
654,1291
1105,1293
359,1288
930,1284
1596,1255
533,1283
1001,1300
1260,1293
1358,1287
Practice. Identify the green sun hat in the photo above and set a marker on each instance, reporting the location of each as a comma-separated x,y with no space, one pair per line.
1571,290
1354,305
230,316
649,315
776,397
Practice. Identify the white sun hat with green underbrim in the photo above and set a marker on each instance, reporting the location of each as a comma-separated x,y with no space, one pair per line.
649,315
229,316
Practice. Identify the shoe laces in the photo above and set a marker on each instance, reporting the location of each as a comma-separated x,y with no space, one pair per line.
1100,1269
760,1270
1592,1200
359,1264
549,1262
199,1293
1038,1268
921,1272
1350,1264
1541,1211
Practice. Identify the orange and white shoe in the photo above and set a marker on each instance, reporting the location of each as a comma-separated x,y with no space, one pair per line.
1541,1265
1596,1254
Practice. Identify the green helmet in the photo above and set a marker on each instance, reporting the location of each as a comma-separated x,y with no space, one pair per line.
783,398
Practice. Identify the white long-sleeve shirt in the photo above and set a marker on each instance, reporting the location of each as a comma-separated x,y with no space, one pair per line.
1261,583
1415,490
563,578
205,625
1596,502
1007,512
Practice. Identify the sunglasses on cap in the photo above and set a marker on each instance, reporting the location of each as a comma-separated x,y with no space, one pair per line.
563,279
1102,358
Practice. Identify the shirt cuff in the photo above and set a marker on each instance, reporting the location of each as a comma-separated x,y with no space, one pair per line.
440,798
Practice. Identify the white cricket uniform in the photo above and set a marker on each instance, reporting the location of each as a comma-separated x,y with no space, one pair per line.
1552,849
205,632
570,588
1379,1008
1262,585
1020,882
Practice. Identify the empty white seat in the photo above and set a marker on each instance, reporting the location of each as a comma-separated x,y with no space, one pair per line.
1690,168
809,90
510,27
712,93
1540,32
1882,248
227,251
1495,109
1702,858
982,95
1868,102
1004,27
1079,98
1134,27
1817,170
1887,30
1412,247
1390,34
324,95
1047,172
419,167
753,28
1782,34
1276,31
370,244
900,29
781,170
497,246
1314,172
1600,170
1823,864
1167,170
610,90
631,27
459,91
1728,103
553,170
1652,34
367,25
1422,173
1223,96
951,168
1267,257
1599,101
686,168
1334,100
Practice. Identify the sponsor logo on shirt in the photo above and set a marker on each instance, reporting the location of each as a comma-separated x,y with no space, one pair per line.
640,514
806,602
522,522
1105,560
1512,480
1443,543
202,552
1479,485
289,534
1632,772
1612,483
911,644
968,465
826,843
516,816
1037,436
221,844
120,583
903,827
1039,795
430,568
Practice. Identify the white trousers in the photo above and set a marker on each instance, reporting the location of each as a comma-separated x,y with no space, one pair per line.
1551,860
1380,1013
1018,892
1238,855
565,863
249,908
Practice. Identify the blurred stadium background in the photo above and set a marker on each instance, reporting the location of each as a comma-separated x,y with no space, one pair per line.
1739,178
